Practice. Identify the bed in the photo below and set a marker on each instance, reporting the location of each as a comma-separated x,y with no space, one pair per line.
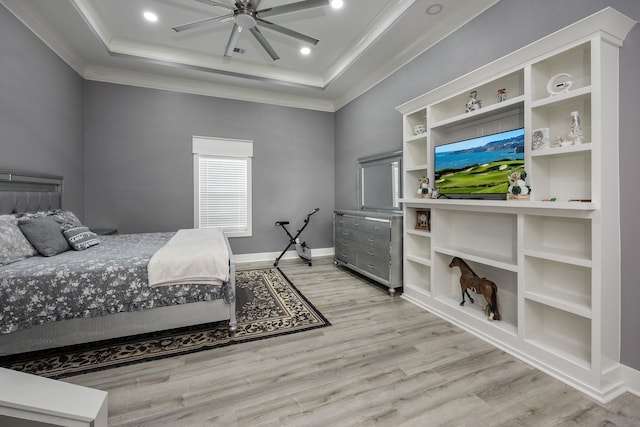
97,293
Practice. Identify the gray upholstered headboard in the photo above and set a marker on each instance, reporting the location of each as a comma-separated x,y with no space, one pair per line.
20,192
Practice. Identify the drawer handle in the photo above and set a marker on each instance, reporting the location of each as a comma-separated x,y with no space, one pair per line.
345,244
371,240
373,267
345,233
371,253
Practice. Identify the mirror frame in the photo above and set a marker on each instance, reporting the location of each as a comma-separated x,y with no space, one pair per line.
374,160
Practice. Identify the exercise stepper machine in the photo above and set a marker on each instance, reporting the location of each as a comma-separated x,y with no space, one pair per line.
303,250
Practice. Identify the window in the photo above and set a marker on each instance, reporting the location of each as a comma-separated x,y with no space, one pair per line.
222,184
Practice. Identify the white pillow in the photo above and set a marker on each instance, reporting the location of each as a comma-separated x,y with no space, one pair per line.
13,245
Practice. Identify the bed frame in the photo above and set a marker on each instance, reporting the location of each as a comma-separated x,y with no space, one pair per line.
21,193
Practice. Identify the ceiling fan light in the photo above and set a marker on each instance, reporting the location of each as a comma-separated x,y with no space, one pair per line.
245,19
337,4
305,51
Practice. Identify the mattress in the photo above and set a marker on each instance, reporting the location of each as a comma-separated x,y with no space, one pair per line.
108,278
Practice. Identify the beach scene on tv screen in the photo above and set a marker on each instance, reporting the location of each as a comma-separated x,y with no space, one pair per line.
479,165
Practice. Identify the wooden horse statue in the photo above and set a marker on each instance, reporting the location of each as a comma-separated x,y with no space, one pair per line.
479,285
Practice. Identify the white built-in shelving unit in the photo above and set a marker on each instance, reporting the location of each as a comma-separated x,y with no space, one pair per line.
556,263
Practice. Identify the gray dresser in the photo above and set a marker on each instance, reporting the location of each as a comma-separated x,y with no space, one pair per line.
371,244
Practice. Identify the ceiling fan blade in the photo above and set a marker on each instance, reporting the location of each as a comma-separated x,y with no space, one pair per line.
287,32
255,4
233,40
265,44
194,24
216,4
293,7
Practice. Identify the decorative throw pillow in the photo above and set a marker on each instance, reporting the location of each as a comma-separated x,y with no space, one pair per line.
81,238
66,219
13,245
45,235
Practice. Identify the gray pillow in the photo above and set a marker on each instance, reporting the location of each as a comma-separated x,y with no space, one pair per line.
66,219
80,238
13,245
45,235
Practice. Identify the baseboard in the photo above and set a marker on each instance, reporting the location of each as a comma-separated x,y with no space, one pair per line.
271,256
631,378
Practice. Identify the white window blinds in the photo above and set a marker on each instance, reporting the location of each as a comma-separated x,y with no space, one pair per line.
222,172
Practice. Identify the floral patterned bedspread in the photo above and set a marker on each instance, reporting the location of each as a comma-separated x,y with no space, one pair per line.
107,278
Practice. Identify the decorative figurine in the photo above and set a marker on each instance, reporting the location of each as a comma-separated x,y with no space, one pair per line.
502,95
576,133
473,103
518,188
423,187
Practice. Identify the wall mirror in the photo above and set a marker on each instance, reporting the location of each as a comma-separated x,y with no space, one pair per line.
379,182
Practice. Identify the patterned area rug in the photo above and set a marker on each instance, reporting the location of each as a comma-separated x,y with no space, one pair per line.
267,305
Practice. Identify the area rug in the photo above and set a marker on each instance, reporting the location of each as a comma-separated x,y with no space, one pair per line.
267,305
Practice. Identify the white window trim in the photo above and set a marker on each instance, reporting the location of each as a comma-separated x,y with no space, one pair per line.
222,147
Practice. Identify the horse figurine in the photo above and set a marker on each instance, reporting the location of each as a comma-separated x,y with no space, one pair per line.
479,285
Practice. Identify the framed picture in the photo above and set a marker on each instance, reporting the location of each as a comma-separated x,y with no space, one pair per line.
423,218
540,139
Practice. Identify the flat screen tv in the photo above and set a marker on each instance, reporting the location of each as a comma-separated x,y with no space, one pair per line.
478,167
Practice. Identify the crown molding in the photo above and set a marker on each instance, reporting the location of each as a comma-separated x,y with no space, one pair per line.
382,23
195,87
29,18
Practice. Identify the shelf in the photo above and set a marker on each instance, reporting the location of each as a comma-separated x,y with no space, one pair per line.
559,332
482,257
477,313
564,286
418,137
564,177
568,96
499,205
488,238
557,255
417,168
419,260
490,110
575,61
562,151
417,275
566,240
418,232
561,302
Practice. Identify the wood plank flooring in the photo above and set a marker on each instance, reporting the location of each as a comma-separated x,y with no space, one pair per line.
382,362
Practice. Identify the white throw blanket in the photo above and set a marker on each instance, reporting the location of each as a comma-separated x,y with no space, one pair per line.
195,256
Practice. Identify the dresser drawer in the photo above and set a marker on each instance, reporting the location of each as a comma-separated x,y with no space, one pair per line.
379,228
346,234
374,264
345,244
374,241
349,222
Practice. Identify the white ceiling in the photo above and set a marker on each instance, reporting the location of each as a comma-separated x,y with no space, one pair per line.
360,44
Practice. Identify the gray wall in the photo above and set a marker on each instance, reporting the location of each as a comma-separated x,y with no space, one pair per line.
41,102
370,123
139,167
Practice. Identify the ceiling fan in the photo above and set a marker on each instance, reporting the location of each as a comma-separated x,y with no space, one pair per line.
245,14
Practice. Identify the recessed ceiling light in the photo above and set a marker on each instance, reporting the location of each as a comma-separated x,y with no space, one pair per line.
150,16
337,4
434,9
305,51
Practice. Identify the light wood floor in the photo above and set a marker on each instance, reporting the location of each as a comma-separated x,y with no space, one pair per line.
382,362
